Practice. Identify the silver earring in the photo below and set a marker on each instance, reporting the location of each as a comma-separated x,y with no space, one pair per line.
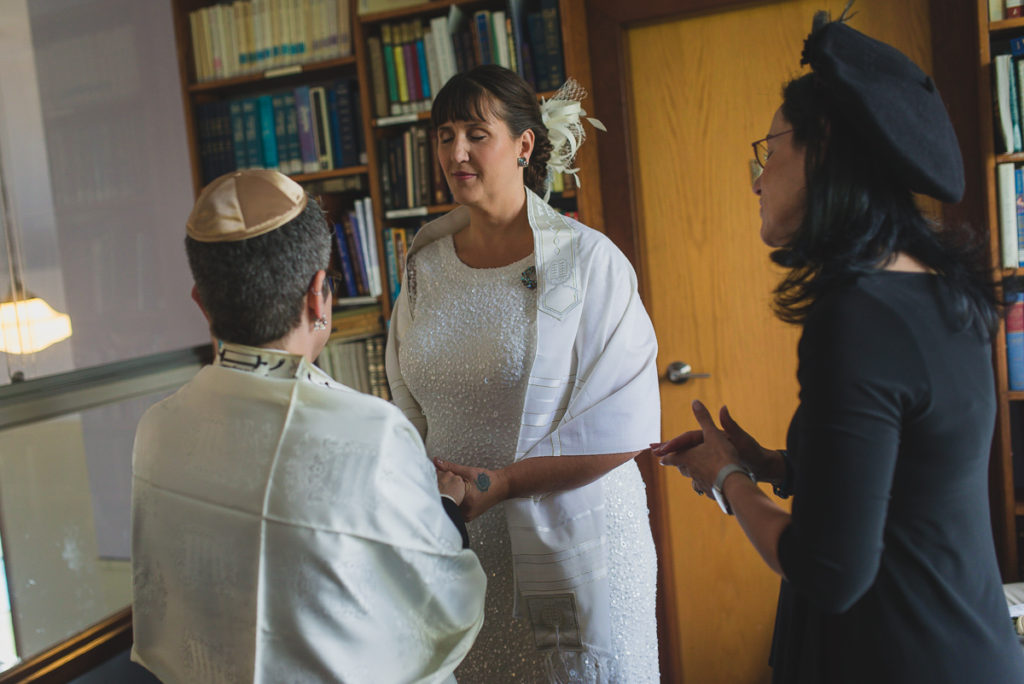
320,323
523,162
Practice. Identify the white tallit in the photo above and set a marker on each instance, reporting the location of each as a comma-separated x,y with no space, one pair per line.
593,389
287,528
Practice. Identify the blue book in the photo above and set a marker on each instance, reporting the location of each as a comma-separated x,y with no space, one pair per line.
332,117
1015,109
1015,341
421,57
345,261
357,251
538,53
238,134
224,159
204,134
253,137
348,121
281,133
291,126
391,262
552,42
514,10
482,32
357,123
1018,182
268,134
306,130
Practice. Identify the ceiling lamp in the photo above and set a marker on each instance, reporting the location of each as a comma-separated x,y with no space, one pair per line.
27,323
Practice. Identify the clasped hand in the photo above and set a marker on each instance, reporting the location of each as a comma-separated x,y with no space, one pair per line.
701,454
483,488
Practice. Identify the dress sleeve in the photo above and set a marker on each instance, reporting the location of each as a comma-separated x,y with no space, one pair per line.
857,359
401,319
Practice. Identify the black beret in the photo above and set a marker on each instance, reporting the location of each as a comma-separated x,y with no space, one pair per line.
892,103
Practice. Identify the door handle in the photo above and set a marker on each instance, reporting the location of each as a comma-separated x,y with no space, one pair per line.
679,372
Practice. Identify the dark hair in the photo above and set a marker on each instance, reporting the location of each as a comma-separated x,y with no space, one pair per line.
469,95
860,214
253,289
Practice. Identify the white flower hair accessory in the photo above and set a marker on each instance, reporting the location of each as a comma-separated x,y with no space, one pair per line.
561,116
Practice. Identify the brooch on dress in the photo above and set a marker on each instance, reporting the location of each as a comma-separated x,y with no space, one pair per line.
529,278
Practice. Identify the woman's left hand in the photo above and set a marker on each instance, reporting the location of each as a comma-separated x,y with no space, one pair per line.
699,458
484,489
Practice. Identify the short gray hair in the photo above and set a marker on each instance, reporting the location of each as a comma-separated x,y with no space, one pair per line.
253,289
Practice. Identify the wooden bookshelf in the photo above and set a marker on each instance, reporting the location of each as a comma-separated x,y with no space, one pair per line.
572,18
1006,502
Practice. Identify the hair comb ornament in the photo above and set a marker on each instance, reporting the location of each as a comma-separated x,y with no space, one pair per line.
562,117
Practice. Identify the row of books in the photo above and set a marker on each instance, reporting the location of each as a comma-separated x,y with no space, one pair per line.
357,256
252,36
359,364
396,240
1008,74
1010,185
1005,9
410,175
1014,295
303,130
396,247
410,61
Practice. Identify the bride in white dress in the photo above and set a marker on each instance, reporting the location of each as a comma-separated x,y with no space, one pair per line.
521,350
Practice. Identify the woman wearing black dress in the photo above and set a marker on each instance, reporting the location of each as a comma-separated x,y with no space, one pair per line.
887,559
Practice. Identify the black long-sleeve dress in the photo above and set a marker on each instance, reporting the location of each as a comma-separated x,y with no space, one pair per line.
889,559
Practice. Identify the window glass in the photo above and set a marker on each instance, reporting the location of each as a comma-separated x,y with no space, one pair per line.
94,161
65,521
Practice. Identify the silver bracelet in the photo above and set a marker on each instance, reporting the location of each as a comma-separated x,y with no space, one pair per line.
725,472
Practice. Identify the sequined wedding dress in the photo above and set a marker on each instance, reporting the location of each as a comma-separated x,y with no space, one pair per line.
466,361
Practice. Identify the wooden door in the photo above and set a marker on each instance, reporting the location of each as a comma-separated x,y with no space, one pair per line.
703,87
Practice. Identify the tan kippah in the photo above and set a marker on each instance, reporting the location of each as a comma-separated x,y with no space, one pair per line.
244,204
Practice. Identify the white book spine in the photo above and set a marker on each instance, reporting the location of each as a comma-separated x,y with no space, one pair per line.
365,207
501,36
1002,65
1007,214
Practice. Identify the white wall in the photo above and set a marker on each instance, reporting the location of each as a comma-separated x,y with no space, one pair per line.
95,161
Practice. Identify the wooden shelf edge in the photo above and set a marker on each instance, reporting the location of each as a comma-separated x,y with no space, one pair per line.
411,10
76,655
332,173
1006,24
271,74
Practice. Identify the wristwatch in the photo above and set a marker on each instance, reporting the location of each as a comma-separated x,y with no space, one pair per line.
725,472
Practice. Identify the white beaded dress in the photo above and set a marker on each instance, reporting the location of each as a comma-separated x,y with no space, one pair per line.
466,360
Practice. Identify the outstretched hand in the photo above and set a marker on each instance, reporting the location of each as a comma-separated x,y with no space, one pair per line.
484,488
700,454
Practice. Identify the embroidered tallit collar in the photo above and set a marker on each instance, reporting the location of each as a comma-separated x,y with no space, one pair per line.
554,248
270,363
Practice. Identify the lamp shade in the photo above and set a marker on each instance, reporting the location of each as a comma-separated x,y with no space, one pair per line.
31,325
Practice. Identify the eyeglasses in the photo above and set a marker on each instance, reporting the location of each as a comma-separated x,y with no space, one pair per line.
333,280
761,152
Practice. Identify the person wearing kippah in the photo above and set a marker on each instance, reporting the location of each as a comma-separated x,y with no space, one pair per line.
285,527
521,350
887,558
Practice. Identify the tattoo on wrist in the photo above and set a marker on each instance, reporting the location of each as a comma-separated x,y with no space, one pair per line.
483,483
